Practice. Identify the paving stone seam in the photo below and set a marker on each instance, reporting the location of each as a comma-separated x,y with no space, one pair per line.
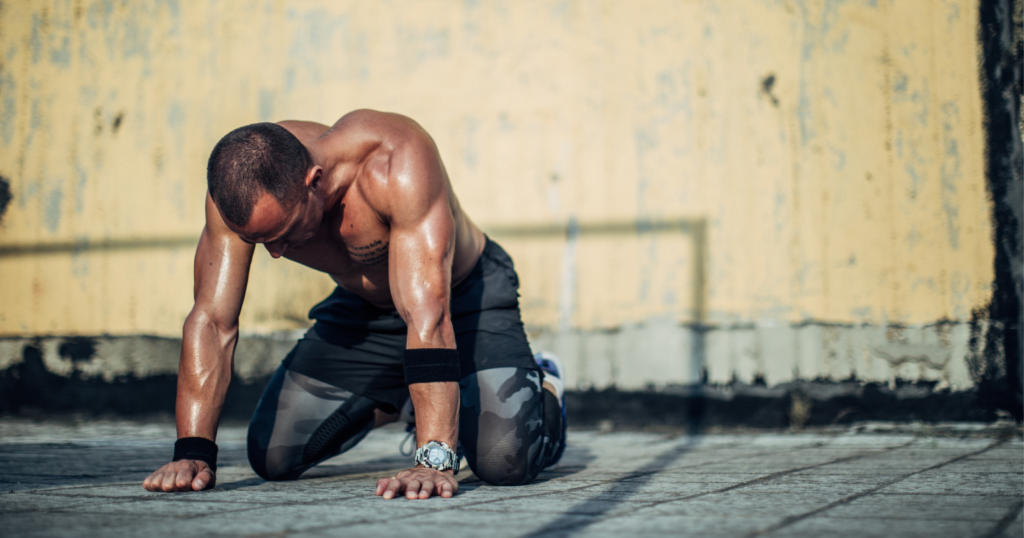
576,526
903,494
1007,520
310,481
420,512
917,494
633,476
778,474
584,487
50,509
643,474
470,475
930,518
343,478
591,484
845,500
326,485
148,498
159,498
160,516
55,492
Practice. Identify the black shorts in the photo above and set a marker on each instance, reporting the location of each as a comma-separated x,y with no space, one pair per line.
359,347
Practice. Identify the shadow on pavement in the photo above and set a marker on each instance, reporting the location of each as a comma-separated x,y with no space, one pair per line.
381,465
389,463
576,459
569,523
238,484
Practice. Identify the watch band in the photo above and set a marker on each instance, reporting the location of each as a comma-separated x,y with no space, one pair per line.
437,455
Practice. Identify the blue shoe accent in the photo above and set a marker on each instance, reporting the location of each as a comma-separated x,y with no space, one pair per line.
551,366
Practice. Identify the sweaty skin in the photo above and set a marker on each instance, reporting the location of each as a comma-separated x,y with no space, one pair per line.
379,216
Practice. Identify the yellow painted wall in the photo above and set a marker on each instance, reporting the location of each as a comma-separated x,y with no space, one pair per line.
851,189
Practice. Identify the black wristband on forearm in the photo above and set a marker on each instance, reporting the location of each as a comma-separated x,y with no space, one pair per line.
196,448
431,366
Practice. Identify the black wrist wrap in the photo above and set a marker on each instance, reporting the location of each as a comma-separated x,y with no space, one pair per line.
196,448
431,366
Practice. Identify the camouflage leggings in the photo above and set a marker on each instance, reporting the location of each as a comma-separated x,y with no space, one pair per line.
508,426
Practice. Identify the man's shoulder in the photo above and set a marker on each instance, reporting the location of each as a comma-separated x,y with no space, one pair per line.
395,155
389,127
304,130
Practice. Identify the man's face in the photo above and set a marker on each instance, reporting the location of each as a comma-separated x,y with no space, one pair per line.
278,228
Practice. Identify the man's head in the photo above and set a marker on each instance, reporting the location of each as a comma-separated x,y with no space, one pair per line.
258,159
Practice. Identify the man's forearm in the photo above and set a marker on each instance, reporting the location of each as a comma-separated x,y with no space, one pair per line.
436,395
204,373
437,412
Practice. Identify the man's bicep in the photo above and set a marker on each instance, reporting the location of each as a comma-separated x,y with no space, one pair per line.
420,276
421,258
414,199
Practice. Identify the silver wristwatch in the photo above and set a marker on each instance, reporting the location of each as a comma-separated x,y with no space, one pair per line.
437,455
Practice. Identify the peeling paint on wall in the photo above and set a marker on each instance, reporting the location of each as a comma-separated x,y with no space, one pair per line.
835,151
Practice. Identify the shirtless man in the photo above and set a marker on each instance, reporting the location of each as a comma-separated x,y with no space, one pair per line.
426,312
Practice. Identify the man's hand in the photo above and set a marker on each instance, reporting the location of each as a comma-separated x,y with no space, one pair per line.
183,475
418,483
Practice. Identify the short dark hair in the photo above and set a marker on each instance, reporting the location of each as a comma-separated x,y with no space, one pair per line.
252,160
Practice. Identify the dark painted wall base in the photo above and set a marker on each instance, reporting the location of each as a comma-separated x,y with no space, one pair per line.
28,387
713,406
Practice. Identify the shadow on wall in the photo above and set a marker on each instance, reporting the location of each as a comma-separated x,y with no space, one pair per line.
5,196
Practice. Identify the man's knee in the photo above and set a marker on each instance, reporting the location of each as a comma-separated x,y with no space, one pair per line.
268,463
275,472
503,413
338,433
503,467
505,454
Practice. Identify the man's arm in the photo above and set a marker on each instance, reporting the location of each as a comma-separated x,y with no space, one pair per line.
421,249
207,350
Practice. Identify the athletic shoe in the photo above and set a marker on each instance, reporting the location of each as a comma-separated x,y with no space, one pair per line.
553,372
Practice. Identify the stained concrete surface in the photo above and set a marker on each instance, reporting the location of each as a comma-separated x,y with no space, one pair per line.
83,477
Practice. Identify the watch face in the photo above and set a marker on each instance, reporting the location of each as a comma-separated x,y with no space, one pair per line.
436,455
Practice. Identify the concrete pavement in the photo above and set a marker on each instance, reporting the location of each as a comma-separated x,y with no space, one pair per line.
83,478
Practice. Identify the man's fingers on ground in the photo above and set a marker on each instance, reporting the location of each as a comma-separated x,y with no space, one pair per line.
184,480
427,490
412,490
151,480
444,489
382,485
394,486
203,479
167,480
